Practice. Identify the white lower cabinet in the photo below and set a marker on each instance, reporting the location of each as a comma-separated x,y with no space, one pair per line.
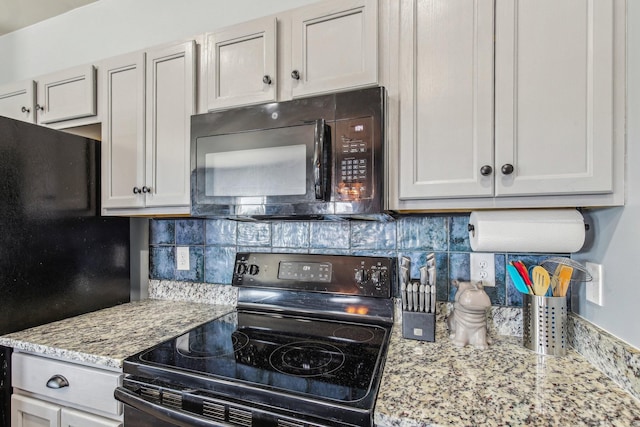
29,412
53,393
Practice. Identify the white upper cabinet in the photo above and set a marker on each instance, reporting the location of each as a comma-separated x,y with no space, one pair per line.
68,94
554,96
122,105
325,47
242,64
52,99
170,102
148,99
446,82
18,100
334,46
539,114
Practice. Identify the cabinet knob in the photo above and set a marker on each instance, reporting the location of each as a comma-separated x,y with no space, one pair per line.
57,381
146,189
39,107
266,80
136,190
507,169
295,74
486,170
26,110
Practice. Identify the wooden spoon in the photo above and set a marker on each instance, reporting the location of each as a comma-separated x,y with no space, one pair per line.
541,280
564,278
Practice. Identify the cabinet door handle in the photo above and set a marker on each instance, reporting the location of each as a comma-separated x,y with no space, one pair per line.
136,190
486,170
507,169
146,189
266,79
39,107
26,110
295,74
57,381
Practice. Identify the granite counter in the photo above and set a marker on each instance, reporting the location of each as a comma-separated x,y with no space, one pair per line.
106,337
437,384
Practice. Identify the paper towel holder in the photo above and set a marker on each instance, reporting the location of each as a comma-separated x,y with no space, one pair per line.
527,230
472,229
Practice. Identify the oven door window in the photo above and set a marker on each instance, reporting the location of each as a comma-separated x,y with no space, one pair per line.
286,165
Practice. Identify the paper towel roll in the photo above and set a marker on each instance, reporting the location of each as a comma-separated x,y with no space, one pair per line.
527,230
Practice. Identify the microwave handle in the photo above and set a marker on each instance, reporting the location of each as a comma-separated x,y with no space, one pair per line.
320,142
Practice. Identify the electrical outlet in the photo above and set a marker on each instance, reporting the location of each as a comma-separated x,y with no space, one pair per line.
483,268
594,287
182,258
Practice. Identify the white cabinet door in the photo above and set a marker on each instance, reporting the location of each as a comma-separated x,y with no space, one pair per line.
17,101
122,106
532,117
72,418
66,95
170,102
242,64
554,96
446,87
28,412
334,46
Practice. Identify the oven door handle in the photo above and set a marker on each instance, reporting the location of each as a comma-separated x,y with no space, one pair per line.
179,418
319,158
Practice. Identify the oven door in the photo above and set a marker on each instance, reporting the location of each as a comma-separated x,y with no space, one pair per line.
142,413
276,171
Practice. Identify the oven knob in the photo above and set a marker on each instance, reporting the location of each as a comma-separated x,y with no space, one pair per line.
254,269
376,276
361,276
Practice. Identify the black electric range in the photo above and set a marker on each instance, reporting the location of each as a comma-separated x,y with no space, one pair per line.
305,347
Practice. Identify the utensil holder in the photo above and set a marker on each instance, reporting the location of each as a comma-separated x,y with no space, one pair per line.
545,324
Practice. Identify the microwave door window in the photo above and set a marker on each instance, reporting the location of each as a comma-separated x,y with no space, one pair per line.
257,172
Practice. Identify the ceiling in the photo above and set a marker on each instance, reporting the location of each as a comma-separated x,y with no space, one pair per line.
16,14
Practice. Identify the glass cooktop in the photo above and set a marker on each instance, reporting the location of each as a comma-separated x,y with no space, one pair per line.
325,359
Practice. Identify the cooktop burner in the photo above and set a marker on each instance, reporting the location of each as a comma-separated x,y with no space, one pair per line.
354,333
204,345
306,358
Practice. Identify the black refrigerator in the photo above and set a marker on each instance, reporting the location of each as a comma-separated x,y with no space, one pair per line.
58,256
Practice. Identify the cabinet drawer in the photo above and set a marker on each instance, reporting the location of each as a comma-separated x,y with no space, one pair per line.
88,387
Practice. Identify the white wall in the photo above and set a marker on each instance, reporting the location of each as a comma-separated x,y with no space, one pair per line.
617,239
111,27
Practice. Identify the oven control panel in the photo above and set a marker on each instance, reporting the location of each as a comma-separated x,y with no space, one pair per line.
341,274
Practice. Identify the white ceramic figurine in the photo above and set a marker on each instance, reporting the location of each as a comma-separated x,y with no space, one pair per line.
467,322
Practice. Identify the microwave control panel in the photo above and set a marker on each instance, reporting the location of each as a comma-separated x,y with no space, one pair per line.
354,159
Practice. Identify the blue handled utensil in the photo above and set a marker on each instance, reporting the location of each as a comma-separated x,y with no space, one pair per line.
518,281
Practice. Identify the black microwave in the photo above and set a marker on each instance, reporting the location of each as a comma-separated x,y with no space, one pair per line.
315,157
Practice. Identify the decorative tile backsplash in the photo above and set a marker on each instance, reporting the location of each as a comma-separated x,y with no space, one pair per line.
213,244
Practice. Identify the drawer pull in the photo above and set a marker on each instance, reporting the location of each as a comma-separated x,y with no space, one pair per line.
57,381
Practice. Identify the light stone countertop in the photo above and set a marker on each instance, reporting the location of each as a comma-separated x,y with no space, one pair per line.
106,337
438,384
424,383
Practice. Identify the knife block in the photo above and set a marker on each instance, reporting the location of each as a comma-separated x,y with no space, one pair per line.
419,326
